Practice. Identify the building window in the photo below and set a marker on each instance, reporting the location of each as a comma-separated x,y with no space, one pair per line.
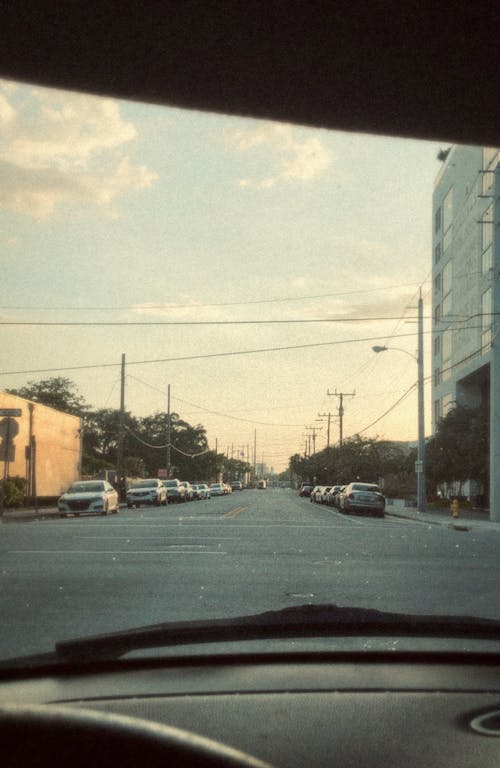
437,345
437,220
448,210
437,377
487,228
446,288
446,355
437,253
487,260
491,157
437,411
486,317
437,283
437,313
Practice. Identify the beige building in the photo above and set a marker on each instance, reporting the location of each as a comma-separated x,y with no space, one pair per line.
40,444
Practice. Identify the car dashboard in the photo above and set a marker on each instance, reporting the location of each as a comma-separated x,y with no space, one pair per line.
292,710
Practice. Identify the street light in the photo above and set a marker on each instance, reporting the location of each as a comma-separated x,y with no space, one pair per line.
419,358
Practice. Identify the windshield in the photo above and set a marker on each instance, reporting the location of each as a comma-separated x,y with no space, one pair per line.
86,488
343,334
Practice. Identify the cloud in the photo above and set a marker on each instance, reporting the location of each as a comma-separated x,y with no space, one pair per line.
60,147
294,157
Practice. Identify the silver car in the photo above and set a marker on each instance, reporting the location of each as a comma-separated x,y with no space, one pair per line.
97,496
147,491
365,498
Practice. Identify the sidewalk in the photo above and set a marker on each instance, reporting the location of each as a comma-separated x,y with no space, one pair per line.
469,519
27,515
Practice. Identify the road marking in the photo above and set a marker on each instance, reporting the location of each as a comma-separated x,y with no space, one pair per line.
110,552
158,538
234,512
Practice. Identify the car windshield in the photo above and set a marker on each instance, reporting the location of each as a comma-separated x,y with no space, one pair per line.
265,307
86,488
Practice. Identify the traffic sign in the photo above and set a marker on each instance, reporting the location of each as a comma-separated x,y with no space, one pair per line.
10,411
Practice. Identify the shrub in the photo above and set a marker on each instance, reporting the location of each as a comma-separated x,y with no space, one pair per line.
13,489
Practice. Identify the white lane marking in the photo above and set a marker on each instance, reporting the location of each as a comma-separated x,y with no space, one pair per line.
159,538
110,552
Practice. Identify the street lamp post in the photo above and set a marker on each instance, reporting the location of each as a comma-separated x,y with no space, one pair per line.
419,358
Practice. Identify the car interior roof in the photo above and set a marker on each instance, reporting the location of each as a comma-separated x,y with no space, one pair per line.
407,69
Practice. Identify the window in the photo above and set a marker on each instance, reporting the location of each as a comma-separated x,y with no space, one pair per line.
487,260
491,157
446,304
437,377
437,411
487,228
437,220
486,317
446,347
437,345
437,253
437,283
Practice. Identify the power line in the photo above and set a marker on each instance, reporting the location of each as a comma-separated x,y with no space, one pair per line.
213,304
129,323
200,357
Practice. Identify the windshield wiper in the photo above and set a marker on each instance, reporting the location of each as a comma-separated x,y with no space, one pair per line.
295,622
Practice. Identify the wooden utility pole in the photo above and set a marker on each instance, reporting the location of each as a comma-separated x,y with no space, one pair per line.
341,396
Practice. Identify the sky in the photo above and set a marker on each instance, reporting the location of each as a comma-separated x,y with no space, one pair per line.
165,234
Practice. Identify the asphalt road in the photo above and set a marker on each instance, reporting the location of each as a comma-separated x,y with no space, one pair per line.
241,554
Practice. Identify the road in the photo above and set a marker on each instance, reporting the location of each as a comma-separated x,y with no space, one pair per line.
245,553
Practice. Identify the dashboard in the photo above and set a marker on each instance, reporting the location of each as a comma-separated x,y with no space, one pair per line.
292,711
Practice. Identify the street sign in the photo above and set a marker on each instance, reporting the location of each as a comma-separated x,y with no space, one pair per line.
419,466
10,411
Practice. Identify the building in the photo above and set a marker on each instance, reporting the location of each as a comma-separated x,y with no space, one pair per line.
466,292
39,444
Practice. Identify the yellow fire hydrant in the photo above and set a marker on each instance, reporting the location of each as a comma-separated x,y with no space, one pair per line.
455,509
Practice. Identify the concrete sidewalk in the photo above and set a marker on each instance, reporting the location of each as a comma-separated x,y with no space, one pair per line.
468,520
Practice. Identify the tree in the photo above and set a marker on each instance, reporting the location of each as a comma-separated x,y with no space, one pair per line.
56,392
459,450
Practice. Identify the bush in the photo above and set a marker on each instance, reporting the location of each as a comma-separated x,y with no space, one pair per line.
12,490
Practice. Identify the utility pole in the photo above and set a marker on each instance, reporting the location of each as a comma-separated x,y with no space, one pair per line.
314,429
329,416
169,431
121,435
421,492
341,396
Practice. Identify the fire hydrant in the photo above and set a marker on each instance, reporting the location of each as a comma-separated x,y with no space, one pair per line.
455,509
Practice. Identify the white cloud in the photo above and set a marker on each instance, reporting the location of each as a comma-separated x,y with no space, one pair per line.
292,155
63,147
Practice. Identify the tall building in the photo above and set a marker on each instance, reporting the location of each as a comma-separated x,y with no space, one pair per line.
466,292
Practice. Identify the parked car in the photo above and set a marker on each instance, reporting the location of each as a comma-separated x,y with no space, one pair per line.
96,496
203,491
316,491
364,498
332,496
227,488
217,489
237,485
189,493
306,489
147,491
324,494
176,492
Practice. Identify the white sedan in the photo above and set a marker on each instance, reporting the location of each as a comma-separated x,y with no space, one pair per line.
96,496
217,489
147,491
